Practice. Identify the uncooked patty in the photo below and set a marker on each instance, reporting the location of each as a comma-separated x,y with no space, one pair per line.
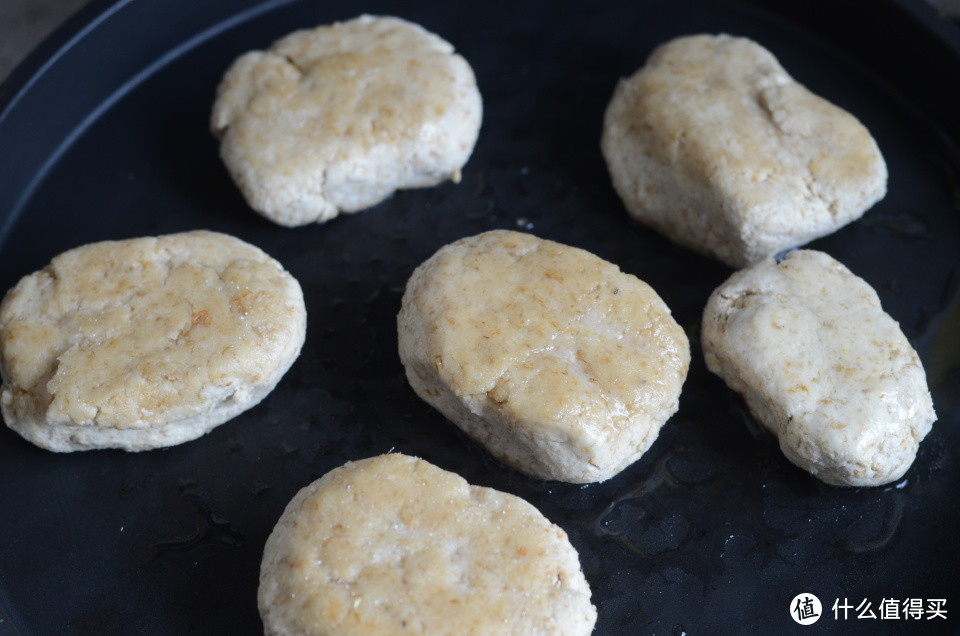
560,364
146,342
822,366
714,145
335,119
395,545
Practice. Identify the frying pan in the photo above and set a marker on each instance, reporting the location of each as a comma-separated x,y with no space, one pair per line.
103,135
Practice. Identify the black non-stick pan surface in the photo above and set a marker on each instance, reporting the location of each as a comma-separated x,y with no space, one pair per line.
104,135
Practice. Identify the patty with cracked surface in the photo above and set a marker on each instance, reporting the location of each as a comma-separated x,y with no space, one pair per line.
394,544
336,118
563,366
147,342
715,146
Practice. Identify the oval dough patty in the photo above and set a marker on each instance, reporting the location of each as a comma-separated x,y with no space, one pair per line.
146,342
560,364
714,145
395,545
335,119
822,366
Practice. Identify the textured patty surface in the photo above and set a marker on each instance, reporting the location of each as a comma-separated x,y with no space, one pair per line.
714,145
559,363
337,118
395,545
145,342
821,364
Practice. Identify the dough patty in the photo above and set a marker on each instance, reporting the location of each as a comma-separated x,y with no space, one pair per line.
335,119
560,364
714,145
146,342
395,545
822,366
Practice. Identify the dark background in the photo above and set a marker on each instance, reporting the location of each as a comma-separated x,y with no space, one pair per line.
103,135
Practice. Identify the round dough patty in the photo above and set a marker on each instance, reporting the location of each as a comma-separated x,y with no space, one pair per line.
820,363
393,544
335,119
146,342
560,364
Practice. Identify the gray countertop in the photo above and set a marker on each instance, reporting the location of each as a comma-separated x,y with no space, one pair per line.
25,23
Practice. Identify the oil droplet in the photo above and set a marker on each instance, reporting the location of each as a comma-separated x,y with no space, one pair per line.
872,537
903,223
259,488
524,223
210,529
